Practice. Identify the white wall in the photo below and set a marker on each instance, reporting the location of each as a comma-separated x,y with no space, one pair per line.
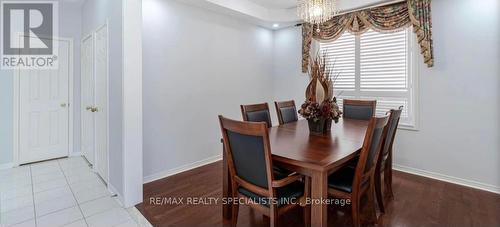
197,64
70,21
95,13
288,80
459,98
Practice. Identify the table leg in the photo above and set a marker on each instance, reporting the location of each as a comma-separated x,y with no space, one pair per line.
319,193
226,188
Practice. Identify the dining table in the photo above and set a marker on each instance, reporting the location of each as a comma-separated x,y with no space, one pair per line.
294,148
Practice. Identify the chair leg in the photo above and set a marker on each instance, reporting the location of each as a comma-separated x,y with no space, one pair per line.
378,190
388,181
274,217
307,216
307,208
388,175
371,204
234,214
355,212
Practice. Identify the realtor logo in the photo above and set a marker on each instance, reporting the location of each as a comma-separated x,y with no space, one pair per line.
28,29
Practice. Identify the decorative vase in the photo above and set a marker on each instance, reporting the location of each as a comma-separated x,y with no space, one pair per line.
328,126
320,126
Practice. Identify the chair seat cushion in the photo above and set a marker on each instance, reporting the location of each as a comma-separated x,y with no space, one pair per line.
342,179
285,195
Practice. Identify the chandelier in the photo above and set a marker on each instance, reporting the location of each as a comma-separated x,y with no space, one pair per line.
316,11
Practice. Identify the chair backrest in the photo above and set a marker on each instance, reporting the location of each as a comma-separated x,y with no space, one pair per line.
257,113
359,109
372,145
287,111
392,127
248,153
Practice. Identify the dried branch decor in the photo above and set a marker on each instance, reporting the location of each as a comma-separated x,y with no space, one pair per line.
320,107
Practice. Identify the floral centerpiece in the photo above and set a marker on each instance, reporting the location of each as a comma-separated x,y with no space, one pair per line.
320,107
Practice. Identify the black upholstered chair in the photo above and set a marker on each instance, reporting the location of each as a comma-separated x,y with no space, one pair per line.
260,113
359,109
352,183
250,164
287,112
257,113
384,164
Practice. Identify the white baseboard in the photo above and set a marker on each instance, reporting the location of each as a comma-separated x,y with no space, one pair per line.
449,179
119,197
6,165
181,169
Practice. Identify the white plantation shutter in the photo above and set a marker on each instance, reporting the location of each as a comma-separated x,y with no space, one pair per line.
384,104
383,61
374,66
340,56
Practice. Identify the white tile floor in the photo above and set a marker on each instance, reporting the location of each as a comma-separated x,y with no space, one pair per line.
62,192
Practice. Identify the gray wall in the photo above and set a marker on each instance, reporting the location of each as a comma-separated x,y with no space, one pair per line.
459,98
95,13
70,21
197,64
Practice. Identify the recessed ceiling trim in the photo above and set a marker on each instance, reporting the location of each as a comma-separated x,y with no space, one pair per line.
268,12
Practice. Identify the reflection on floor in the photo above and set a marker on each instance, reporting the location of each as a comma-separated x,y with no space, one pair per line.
62,192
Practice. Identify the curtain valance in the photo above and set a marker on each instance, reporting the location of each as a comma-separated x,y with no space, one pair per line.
389,18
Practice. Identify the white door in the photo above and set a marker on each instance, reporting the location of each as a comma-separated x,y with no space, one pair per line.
87,99
101,102
44,111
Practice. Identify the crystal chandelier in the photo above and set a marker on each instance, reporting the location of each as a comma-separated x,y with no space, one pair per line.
316,11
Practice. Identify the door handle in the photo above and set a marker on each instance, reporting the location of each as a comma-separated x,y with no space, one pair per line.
89,108
63,105
94,109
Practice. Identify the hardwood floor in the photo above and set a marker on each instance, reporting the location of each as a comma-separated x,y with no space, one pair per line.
418,201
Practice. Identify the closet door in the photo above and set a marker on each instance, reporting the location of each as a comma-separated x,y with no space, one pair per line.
87,99
101,102
44,110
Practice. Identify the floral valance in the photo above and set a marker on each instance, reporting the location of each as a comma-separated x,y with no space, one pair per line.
389,18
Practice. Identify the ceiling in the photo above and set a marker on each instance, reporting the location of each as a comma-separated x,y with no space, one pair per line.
276,4
289,4
78,2
273,14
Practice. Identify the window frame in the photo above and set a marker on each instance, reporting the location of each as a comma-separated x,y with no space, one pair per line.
413,73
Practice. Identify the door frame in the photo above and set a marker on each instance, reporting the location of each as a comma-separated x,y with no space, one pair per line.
16,103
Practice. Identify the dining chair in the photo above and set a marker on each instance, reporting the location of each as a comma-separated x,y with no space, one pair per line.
249,160
352,183
287,112
257,113
384,163
359,109
260,113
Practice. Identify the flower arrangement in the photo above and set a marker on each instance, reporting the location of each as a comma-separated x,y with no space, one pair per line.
328,110
320,107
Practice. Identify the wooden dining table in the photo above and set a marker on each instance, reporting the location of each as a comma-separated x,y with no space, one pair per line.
315,156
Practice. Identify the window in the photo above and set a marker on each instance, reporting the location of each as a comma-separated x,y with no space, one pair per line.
375,66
